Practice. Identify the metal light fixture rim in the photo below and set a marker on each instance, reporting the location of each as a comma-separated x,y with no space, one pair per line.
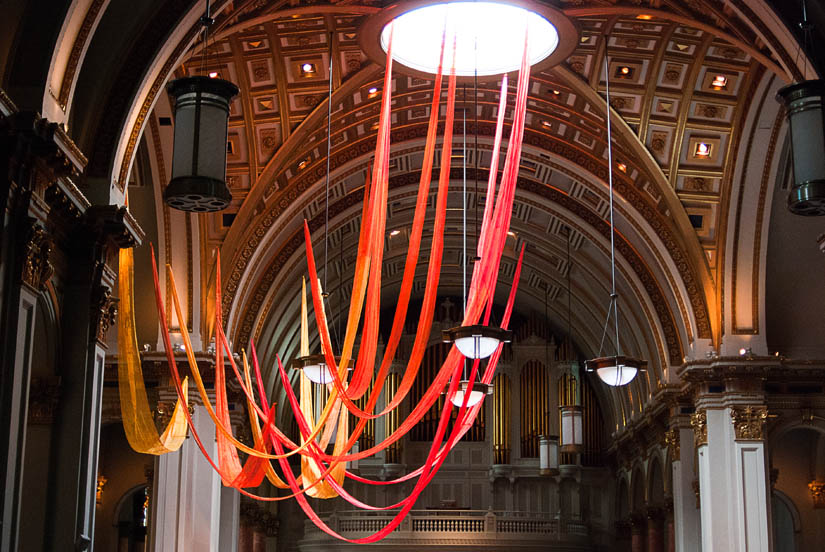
802,89
480,330
205,85
613,361
312,360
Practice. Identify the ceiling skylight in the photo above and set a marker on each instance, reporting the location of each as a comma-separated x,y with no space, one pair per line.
489,36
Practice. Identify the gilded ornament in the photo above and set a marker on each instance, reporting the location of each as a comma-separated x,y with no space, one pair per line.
749,422
672,442
817,489
699,423
36,266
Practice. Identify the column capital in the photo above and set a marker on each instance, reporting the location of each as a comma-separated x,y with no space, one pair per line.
749,422
672,442
36,268
699,422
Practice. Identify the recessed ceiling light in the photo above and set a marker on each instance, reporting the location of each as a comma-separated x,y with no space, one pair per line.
546,124
556,92
372,90
302,165
719,82
625,70
644,17
417,37
308,68
702,149
622,167
511,234
213,74
395,233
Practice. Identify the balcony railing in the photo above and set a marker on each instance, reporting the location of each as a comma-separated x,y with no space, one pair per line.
436,528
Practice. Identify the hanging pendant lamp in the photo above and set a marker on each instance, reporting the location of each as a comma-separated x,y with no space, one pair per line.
805,111
199,151
315,366
477,341
618,369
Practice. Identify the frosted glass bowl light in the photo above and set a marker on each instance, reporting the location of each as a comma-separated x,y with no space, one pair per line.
476,341
615,370
476,393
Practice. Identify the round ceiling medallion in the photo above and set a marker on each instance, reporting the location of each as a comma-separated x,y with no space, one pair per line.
489,36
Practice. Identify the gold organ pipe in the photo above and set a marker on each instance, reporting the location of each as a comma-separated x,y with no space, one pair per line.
501,417
393,454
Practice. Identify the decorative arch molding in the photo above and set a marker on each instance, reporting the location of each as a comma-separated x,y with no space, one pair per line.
252,300
658,222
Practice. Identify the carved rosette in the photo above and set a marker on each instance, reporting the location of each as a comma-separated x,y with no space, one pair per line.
37,269
672,442
817,489
749,422
699,423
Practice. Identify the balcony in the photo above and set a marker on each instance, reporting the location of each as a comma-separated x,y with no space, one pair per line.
459,529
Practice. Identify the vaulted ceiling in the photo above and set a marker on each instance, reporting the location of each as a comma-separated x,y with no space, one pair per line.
680,206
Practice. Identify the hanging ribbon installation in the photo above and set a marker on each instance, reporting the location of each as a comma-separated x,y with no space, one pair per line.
322,473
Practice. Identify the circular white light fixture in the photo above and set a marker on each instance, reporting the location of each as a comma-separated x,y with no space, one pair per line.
614,370
489,36
315,368
476,341
476,393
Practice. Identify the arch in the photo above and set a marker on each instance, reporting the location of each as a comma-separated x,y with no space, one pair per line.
638,488
623,498
655,481
786,538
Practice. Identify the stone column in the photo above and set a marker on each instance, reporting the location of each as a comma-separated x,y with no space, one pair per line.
733,477
685,515
26,146
87,291
193,512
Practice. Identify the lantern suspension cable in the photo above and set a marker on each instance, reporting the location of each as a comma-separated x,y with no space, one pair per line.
315,366
477,341
326,184
618,369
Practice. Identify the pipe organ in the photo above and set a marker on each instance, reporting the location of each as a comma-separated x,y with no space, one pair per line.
501,419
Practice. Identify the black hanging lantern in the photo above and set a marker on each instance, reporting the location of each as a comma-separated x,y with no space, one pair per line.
199,159
806,118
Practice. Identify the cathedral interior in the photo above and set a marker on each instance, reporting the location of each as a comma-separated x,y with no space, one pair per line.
717,444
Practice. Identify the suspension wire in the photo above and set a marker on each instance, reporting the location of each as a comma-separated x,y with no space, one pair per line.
464,213
464,202
206,21
569,301
329,150
613,295
476,154
807,40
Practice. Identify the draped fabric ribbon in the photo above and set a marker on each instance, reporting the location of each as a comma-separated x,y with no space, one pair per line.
138,424
322,474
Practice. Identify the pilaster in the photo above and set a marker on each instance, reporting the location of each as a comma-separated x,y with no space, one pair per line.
733,475
686,530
